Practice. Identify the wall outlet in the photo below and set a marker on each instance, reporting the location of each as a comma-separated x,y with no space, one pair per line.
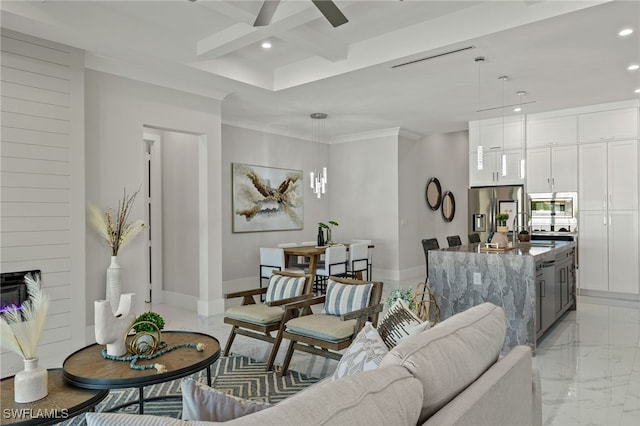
477,278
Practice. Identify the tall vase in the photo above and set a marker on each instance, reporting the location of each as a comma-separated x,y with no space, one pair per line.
114,284
30,384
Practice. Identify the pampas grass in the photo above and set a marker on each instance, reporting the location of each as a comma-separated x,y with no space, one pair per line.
21,328
118,232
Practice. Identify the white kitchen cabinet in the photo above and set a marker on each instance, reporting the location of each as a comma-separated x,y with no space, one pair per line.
608,125
552,169
608,227
622,178
593,251
593,176
491,172
623,251
490,134
552,131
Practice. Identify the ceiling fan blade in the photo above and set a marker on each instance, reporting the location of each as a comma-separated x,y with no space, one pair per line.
331,12
266,13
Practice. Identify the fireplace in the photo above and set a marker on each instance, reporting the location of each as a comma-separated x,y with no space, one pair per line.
13,290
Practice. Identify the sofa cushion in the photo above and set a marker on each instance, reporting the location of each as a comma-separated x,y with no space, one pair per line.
389,396
325,327
258,314
341,298
202,402
451,355
399,322
365,353
283,287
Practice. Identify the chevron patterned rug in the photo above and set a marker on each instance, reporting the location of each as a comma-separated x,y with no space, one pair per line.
237,375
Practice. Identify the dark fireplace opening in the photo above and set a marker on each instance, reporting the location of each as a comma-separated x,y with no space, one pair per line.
13,289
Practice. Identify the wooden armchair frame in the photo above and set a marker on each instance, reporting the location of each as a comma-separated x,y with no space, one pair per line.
263,331
325,348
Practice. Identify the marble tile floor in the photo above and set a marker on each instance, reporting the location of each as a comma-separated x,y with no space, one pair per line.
589,362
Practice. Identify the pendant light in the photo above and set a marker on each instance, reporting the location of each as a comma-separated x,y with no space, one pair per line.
503,157
479,150
520,109
318,178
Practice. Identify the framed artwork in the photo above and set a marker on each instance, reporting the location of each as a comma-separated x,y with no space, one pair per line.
266,198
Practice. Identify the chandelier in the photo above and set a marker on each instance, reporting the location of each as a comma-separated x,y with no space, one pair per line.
318,177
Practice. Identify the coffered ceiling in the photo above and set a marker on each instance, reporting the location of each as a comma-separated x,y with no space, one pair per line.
562,53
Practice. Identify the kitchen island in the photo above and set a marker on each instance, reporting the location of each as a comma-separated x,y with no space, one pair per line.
534,283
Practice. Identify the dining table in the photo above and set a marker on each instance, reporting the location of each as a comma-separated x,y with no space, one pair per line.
313,253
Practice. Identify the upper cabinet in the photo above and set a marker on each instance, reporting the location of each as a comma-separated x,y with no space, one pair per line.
552,169
551,131
496,133
608,125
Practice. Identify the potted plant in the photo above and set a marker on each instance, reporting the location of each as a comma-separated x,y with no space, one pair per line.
524,236
140,324
329,228
501,221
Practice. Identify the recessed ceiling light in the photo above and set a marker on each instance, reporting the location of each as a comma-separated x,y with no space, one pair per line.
636,91
633,67
266,45
517,109
625,32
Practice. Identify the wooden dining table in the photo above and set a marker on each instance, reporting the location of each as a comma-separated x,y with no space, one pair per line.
313,253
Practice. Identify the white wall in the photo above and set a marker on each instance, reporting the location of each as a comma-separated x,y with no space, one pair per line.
117,109
42,211
180,227
363,195
446,158
241,250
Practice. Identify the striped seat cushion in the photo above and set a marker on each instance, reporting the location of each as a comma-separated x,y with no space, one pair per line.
281,287
344,298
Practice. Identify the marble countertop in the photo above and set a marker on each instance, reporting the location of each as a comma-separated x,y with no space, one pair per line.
536,248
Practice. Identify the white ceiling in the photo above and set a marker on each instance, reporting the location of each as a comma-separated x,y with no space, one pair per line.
562,53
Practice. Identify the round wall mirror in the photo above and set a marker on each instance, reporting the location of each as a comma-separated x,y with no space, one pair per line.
448,206
433,194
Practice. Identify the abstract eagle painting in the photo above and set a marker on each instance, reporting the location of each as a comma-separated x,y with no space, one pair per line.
266,198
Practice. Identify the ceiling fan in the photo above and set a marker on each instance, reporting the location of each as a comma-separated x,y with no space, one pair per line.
326,7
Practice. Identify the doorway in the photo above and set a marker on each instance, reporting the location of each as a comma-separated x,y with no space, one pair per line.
171,211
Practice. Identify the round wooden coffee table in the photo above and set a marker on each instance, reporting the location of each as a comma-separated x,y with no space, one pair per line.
86,368
63,402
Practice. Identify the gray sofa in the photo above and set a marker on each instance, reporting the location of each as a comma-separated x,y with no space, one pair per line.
451,374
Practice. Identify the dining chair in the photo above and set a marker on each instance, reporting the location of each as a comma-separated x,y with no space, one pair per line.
259,320
358,260
474,238
335,264
348,305
272,259
429,244
370,256
454,240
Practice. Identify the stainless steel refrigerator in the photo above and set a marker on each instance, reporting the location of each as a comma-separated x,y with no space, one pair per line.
487,201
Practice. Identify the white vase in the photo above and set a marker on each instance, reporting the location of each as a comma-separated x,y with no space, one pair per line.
30,384
114,284
110,327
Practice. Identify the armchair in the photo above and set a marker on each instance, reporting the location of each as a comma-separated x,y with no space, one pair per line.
348,304
259,320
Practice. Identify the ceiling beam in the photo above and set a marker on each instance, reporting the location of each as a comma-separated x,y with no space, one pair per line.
317,43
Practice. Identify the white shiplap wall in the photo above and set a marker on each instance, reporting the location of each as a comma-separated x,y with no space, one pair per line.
42,183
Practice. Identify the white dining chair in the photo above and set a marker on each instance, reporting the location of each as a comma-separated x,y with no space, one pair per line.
335,264
272,259
358,260
369,255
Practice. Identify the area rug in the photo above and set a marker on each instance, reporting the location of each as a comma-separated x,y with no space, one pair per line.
237,375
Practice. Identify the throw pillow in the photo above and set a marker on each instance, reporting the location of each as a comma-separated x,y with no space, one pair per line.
364,354
281,287
204,403
341,298
400,322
